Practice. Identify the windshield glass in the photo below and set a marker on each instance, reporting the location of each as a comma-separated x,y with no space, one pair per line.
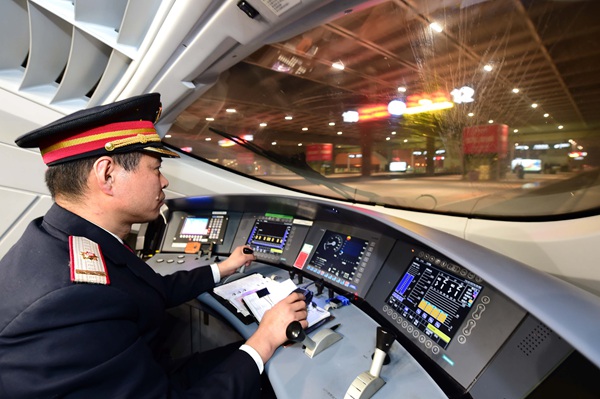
486,108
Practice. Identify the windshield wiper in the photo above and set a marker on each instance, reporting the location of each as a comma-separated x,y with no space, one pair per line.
300,167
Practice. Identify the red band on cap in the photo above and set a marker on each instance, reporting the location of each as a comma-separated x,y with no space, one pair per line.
95,139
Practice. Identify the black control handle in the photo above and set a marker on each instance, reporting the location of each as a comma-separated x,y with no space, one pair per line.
385,339
295,332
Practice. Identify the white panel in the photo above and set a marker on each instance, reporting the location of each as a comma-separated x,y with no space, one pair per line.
137,20
10,237
107,13
19,115
14,204
65,9
115,70
568,249
87,61
102,28
14,26
50,43
181,17
22,169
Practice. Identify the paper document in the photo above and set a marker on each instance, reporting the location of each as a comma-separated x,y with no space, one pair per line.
256,294
262,300
236,290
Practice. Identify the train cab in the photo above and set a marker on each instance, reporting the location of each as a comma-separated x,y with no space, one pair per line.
426,172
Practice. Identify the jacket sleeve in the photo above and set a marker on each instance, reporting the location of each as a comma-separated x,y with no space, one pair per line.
83,341
183,286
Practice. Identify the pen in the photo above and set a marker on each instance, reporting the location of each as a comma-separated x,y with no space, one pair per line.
335,327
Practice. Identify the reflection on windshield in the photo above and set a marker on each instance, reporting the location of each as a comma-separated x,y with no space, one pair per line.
486,108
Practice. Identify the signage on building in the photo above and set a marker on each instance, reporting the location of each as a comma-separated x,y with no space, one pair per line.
319,152
486,139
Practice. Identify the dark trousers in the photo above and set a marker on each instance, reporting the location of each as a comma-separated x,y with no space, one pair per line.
185,372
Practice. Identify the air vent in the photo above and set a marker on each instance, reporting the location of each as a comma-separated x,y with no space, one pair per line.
534,339
72,54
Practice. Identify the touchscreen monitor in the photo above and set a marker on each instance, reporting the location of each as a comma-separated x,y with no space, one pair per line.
339,259
434,300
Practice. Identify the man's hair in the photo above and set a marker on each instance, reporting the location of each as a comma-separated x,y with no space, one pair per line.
69,179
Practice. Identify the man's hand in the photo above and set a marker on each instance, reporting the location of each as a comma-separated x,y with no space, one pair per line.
271,330
236,260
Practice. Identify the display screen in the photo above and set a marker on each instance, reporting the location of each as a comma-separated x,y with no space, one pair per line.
339,258
194,226
529,165
433,300
203,229
269,236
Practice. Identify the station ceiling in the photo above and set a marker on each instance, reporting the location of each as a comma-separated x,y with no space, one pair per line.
549,50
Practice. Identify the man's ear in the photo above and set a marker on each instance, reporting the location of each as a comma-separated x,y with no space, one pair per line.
102,174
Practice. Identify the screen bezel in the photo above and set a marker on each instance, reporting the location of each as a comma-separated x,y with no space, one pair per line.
348,284
263,247
416,314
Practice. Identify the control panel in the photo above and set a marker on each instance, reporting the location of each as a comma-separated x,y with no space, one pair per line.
465,330
450,313
206,229
273,237
347,258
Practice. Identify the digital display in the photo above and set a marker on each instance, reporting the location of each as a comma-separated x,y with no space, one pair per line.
433,300
529,165
339,258
202,229
193,226
269,236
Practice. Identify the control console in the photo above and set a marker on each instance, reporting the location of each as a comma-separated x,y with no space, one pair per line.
451,314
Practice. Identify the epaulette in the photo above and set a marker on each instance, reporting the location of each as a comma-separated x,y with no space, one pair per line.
87,263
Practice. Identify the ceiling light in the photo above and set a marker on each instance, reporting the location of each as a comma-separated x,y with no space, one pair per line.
560,126
534,105
273,143
471,114
210,119
168,136
546,115
304,129
491,121
393,132
230,110
226,143
387,139
515,90
263,124
299,144
331,123
289,117
488,67
436,27
339,133
402,89
338,65
516,131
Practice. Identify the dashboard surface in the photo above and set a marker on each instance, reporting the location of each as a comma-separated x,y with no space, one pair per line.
450,303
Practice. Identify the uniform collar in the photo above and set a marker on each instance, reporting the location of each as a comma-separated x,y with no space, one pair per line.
66,223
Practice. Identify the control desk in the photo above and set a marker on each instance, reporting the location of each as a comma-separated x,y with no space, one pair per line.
467,322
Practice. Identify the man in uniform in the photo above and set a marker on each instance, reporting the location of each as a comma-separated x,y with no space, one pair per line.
80,313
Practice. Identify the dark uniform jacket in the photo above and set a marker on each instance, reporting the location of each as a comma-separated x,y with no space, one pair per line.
61,339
